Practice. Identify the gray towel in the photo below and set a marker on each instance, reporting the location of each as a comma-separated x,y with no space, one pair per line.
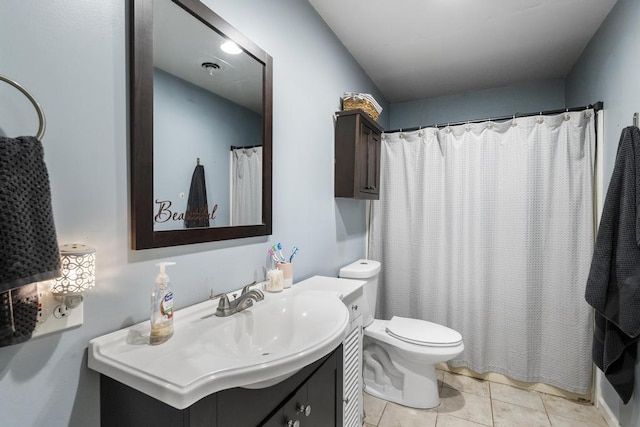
197,213
613,286
18,314
28,244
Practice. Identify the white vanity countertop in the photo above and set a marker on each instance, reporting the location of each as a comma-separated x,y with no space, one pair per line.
344,289
255,348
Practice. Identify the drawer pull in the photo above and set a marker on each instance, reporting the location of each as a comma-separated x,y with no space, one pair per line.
306,410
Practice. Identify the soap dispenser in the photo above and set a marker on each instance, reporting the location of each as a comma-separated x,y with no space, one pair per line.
161,307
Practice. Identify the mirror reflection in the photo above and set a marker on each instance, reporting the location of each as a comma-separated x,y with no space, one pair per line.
207,126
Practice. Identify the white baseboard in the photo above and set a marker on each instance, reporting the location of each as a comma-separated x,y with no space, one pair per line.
607,413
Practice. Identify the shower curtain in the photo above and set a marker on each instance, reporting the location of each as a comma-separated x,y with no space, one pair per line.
246,195
488,229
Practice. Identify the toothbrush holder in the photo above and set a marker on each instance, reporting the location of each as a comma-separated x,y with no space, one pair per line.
287,273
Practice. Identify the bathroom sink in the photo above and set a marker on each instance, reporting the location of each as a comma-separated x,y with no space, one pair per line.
255,348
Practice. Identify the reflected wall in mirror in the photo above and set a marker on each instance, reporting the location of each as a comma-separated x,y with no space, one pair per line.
200,128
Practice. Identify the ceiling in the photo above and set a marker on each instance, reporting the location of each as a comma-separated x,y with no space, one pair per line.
182,44
414,49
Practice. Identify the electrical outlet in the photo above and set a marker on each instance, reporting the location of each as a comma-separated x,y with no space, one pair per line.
53,315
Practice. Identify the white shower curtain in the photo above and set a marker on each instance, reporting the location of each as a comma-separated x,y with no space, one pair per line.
488,229
246,194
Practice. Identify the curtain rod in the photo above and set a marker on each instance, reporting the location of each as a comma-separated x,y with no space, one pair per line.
597,107
248,147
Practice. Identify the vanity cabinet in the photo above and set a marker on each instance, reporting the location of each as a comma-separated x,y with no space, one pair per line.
313,405
357,155
313,397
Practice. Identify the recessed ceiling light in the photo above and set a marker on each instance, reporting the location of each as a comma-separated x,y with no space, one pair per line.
230,47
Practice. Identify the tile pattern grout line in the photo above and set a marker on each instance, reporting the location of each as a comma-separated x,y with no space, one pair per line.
492,399
493,419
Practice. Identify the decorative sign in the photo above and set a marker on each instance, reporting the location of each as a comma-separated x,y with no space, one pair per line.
165,213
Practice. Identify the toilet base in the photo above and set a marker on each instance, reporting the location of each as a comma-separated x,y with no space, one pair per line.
416,389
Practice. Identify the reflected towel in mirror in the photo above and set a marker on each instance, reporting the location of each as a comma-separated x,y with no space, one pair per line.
197,213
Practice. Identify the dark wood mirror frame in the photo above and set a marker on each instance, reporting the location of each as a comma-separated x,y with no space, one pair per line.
143,235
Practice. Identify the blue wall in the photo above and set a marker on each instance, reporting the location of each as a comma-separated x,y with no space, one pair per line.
72,55
480,104
608,70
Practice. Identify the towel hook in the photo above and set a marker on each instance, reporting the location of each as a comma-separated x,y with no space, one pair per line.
41,118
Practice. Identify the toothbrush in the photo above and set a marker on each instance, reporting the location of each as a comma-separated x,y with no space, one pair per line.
279,245
293,253
274,248
273,255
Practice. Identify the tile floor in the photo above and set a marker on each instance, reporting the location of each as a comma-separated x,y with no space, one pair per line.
469,402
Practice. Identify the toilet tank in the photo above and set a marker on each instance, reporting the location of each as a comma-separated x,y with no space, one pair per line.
365,269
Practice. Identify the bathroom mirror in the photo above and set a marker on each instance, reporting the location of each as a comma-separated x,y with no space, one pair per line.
201,119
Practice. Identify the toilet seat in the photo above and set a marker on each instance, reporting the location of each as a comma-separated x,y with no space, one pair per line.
421,332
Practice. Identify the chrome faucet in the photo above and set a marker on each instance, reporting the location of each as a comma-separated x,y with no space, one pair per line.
246,299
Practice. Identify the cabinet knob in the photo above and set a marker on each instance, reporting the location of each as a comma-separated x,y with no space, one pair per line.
306,410
293,423
354,307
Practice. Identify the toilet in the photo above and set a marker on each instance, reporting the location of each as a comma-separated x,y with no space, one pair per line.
400,354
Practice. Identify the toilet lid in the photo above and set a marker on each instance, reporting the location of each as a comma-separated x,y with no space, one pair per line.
421,332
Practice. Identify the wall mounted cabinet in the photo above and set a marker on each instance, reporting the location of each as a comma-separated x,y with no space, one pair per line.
357,156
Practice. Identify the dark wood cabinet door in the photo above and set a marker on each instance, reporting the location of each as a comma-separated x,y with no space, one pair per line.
368,160
276,420
357,156
314,404
324,406
290,412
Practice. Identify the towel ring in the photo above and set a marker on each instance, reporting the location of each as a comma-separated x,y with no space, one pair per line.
41,118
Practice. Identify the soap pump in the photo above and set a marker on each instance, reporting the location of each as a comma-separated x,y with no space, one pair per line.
161,307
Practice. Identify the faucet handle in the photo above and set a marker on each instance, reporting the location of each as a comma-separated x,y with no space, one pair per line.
224,303
224,307
247,288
